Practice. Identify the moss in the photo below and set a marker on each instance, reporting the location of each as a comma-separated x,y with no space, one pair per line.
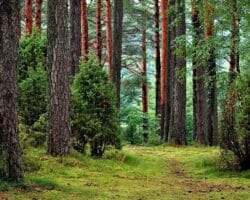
146,173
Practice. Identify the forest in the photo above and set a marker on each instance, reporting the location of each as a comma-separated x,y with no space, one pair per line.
124,99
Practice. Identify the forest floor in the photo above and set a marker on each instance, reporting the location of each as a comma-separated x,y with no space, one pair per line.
135,173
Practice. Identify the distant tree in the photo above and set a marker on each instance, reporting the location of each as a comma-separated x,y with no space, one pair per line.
144,85
99,29
109,35
10,153
57,64
75,35
84,25
28,16
38,18
157,57
117,48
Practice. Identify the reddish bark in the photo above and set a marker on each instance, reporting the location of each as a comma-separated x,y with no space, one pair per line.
84,24
157,56
28,16
109,36
38,18
99,29
144,86
164,63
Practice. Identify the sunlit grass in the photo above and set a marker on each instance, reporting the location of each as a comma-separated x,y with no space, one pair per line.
133,173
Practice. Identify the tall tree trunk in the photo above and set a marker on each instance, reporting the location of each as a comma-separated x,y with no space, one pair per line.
157,57
229,136
199,99
144,86
172,65
109,35
58,61
10,152
75,35
99,29
84,25
164,64
28,16
38,18
179,86
212,114
117,48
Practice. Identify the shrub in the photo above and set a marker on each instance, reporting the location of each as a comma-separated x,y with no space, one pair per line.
94,114
32,96
32,53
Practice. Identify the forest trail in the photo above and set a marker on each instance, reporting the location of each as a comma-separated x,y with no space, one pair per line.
182,185
136,173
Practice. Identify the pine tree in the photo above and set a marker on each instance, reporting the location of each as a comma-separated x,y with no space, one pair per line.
58,62
75,35
28,16
10,153
117,48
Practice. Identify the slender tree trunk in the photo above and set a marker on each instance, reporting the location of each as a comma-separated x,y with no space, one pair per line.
28,16
164,63
172,65
38,18
58,61
212,114
10,152
84,25
99,29
229,136
144,86
179,133
199,71
75,36
157,57
109,35
117,48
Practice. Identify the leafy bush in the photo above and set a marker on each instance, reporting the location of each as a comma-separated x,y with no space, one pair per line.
32,77
32,96
94,114
34,135
32,53
132,121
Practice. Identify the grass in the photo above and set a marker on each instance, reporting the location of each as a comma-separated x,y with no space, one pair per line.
135,173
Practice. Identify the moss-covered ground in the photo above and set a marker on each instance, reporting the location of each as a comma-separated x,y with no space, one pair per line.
135,173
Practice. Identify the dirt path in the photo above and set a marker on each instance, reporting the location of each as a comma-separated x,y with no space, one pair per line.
182,185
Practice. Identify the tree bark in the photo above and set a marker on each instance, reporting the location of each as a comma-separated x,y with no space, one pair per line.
199,71
10,152
75,36
58,62
38,18
28,16
212,113
164,64
144,86
179,104
99,29
117,48
157,57
84,25
109,35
